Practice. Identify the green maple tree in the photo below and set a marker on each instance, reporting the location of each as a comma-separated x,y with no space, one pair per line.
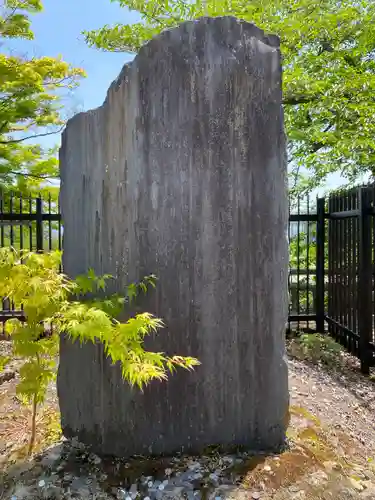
49,297
328,49
29,103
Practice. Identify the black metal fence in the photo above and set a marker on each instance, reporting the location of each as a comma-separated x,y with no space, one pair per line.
32,223
331,275
304,293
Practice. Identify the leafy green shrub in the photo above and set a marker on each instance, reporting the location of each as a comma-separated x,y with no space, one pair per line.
317,347
51,298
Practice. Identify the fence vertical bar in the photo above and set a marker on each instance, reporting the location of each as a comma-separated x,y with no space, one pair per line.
11,230
289,266
373,260
351,274
365,281
308,261
39,224
2,239
21,225
49,223
298,260
347,269
320,278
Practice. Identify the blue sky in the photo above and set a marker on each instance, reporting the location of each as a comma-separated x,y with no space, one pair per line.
58,32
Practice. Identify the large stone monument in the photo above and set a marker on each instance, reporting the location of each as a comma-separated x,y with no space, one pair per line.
181,173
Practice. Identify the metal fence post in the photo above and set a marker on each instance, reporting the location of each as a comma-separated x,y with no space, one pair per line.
39,224
364,280
320,278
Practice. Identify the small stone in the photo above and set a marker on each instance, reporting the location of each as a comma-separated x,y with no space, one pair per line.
317,478
168,472
194,465
356,484
150,484
147,498
161,487
133,488
267,468
197,476
329,465
294,488
79,483
83,492
188,475
256,495
22,492
96,460
152,493
368,484
41,483
187,485
173,491
165,482
213,477
348,493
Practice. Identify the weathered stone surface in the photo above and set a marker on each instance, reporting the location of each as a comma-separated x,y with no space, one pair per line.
181,173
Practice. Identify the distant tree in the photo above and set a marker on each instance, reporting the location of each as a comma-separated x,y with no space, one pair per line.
328,48
29,102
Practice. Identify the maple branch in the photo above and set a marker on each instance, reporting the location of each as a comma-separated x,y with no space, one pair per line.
45,134
35,176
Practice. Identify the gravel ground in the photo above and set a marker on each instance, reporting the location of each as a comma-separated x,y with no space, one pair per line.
331,444
342,399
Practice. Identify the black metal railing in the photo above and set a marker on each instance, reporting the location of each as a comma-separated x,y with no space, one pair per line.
307,282
331,274
31,223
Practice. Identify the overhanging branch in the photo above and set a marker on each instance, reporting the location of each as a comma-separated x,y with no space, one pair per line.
45,177
45,134
294,100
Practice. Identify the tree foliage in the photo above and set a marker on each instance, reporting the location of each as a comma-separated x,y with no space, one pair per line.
29,102
328,49
51,298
